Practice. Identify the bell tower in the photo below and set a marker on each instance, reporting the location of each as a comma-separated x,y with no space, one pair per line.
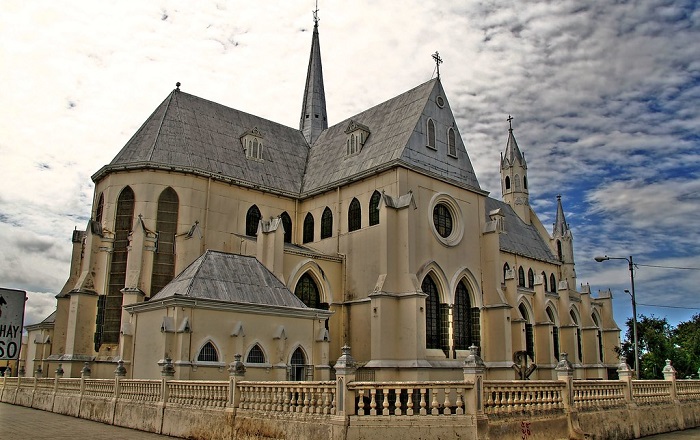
514,185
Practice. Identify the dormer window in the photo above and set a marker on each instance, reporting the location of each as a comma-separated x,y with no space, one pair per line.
357,136
252,142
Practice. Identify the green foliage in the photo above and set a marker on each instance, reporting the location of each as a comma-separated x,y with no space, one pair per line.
659,341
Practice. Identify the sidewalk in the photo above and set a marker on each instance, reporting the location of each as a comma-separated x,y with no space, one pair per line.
688,434
19,422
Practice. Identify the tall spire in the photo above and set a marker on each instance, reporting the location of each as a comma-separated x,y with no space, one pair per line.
561,228
512,153
313,111
514,177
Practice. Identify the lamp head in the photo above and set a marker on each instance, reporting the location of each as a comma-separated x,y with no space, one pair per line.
601,259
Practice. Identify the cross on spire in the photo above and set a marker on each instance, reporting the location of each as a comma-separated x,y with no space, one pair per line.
315,11
510,125
438,61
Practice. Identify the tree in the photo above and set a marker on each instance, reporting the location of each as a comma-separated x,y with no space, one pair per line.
659,341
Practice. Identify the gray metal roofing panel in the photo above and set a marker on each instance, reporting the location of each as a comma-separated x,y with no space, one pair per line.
231,278
520,238
201,134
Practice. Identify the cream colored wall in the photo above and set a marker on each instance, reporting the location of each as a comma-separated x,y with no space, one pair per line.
217,326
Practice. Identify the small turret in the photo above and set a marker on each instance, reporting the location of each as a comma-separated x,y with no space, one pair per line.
563,245
514,186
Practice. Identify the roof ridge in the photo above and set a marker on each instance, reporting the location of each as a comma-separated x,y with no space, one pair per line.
160,126
201,259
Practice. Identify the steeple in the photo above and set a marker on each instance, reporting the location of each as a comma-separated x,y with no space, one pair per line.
313,111
514,177
561,228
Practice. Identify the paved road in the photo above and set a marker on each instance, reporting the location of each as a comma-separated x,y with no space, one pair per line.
19,422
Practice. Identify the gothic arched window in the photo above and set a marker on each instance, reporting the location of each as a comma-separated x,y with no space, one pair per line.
326,223
579,347
256,355
252,218
544,281
109,306
208,353
552,283
297,366
451,142
307,291
431,134
506,269
521,277
166,228
435,322
287,224
354,216
507,182
308,235
530,278
555,333
529,332
559,250
374,208
466,320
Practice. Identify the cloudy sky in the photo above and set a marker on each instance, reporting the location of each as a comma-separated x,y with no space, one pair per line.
604,95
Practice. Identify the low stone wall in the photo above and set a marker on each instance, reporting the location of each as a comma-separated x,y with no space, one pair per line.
478,410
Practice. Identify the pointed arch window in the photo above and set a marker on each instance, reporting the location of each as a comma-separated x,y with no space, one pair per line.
516,182
555,332
529,332
297,369
530,279
287,225
579,351
521,277
256,355
431,135
552,283
326,223
308,235
208,353
166,228
466,320
307,291
507,182
559,251
599,336
374,208
451,142
435,317
110,315
524,182
354,215
252,219
544,281
96,225
506,270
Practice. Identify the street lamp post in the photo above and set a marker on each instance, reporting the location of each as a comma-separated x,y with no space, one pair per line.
634,307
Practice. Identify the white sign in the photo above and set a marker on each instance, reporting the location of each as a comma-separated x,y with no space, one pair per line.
11,319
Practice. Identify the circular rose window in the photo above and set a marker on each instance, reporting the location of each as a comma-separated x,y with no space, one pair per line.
446,220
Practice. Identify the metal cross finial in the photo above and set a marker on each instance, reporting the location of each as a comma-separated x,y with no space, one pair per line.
315,11
438,61
510,125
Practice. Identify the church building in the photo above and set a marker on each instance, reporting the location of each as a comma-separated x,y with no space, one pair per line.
215,232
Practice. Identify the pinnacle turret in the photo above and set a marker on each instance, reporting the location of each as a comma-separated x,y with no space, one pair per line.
561,228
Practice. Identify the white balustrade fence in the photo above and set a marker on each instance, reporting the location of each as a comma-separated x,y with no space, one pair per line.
288,397
410,398
515,396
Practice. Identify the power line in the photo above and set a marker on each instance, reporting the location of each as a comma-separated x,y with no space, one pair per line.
669,307
668,267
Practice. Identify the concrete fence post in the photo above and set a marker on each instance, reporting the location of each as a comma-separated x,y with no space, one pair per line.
670,375
473,370
625,373
345,369
119,374
236,372
565,373
84,374
166,373
58,376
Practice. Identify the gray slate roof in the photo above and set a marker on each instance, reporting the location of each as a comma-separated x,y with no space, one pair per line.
197,135
230,278
192,134
397,136
520,238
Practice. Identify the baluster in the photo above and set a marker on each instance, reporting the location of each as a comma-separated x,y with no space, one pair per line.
318,401
422,411
409,402
306,400
285,399
373,402
434,403
361,403
333,401
385,401
460,402
397,402
326,401
447,411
